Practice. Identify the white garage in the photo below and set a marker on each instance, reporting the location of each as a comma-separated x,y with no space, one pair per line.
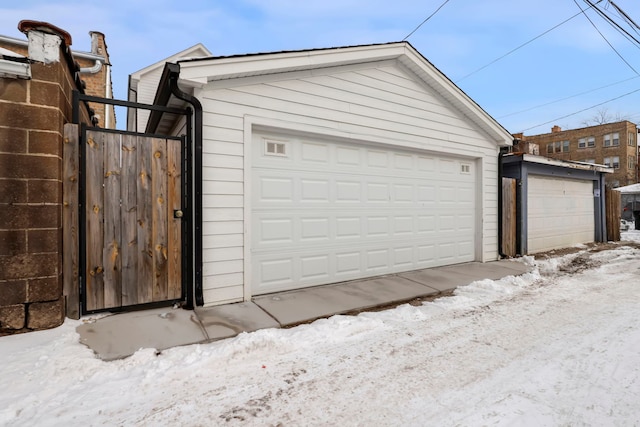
326,165
560,214
325,211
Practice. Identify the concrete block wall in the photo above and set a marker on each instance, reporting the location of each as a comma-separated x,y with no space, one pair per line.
32,115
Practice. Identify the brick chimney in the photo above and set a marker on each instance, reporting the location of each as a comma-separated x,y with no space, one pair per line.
556,129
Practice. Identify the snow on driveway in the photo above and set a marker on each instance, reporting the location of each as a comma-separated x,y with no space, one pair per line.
558,346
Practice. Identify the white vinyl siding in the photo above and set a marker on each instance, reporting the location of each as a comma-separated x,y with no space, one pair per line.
146,93
560,213
378,103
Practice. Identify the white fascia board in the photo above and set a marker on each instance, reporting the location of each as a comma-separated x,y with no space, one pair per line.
13,69
282,62
566,164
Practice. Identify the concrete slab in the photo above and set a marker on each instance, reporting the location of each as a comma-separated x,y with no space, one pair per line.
450,277
229,320
303,305
517,267
489,270
120,335
438,279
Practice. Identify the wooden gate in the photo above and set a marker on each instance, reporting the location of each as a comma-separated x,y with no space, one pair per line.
132,209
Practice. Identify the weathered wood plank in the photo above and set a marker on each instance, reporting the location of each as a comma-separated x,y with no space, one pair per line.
94,208
613,213
112,223
145,216
129,194
70,223
509,217
159,218
174,197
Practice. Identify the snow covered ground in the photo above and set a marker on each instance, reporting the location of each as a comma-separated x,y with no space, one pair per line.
558,346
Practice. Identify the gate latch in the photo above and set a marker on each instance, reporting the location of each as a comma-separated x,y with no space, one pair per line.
177,213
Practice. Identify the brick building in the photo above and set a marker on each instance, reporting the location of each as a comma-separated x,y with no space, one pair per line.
611,144
37,78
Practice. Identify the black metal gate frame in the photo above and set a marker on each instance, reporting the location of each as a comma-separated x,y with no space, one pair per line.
187,196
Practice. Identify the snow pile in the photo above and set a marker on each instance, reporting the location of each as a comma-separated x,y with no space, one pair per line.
630,236
558,346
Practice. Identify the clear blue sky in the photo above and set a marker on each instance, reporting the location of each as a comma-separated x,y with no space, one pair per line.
462,37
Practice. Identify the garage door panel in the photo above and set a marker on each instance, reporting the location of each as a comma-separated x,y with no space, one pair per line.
348,263
314,229
314,190
275,189
314,267
348,191
403,225
345,211
403,256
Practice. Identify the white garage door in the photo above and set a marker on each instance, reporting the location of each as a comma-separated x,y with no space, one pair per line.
325,212
560,213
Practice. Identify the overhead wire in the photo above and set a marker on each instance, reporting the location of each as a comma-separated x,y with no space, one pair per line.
519,47
583,12
603,36
626,17
568,97
615,25
423,22
583,110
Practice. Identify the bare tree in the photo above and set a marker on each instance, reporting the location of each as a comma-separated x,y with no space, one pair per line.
602,117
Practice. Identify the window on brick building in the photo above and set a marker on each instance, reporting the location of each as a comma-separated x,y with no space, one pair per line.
612,140
558,147
587,142
590,161
632,139
631,162
612,162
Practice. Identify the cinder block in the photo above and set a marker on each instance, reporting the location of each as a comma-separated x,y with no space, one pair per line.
13,292
46,315
44,289
12,317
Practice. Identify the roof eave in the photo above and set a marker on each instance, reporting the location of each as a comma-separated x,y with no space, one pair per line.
201,71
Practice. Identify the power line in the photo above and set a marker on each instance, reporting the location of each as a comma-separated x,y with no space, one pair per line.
603,37
615,25
582,111
626,17
566,98
423,22
519,47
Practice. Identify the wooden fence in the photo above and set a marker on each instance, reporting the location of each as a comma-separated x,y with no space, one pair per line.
613,207
509,217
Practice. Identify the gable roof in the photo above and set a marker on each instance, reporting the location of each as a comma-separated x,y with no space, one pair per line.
199,71
195,51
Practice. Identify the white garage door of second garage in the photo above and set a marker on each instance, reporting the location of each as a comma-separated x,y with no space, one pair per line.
326,211
560,213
